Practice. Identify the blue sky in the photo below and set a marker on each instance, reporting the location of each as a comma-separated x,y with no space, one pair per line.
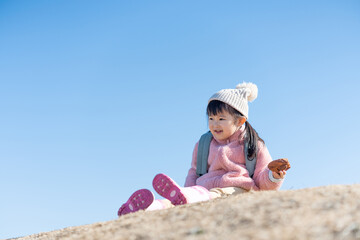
97,97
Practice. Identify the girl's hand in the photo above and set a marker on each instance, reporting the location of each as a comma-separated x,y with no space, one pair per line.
279,167
279,175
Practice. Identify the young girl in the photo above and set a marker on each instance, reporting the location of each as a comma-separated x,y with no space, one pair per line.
227,112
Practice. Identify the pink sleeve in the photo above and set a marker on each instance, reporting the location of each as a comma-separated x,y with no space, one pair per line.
192,176
261,174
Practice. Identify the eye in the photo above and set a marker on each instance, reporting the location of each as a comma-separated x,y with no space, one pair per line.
222,119
210,118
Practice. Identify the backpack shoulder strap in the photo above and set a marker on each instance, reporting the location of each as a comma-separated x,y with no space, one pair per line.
203,154
250,163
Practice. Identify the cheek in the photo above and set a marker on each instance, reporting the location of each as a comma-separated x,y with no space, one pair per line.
229,125
232,128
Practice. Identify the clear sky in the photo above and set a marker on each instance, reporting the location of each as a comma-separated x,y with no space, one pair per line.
96,97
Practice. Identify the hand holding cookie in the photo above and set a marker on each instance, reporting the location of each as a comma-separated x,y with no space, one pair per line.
279,167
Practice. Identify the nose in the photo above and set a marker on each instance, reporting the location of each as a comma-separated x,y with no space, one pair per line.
216,123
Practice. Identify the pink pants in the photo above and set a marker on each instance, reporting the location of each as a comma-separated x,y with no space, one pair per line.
214,193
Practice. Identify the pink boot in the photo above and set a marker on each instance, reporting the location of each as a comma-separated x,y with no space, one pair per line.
139,200
177,195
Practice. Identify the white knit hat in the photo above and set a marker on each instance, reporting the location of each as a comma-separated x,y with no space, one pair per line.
238,98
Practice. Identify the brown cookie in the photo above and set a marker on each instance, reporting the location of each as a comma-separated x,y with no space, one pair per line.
279,165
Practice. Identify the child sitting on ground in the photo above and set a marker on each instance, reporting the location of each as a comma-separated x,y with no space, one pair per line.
227,174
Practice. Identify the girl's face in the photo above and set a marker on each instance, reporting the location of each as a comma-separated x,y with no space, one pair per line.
224,125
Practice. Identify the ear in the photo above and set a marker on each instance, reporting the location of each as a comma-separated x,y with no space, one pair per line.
241,121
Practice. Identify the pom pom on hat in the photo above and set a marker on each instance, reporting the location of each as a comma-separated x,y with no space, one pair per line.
251,89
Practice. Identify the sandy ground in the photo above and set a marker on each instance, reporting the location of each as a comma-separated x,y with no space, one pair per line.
329,212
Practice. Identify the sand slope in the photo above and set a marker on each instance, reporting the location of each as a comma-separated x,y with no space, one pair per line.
329,212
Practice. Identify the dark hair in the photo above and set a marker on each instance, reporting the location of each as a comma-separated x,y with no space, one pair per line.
251,136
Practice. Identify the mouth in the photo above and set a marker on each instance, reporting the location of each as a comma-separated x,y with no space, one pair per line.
218,131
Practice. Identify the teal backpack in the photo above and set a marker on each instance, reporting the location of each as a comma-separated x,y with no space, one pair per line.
203,154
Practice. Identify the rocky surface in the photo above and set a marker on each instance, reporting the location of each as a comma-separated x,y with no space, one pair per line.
328,212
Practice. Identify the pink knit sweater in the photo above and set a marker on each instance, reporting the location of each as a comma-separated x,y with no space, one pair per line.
226,166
